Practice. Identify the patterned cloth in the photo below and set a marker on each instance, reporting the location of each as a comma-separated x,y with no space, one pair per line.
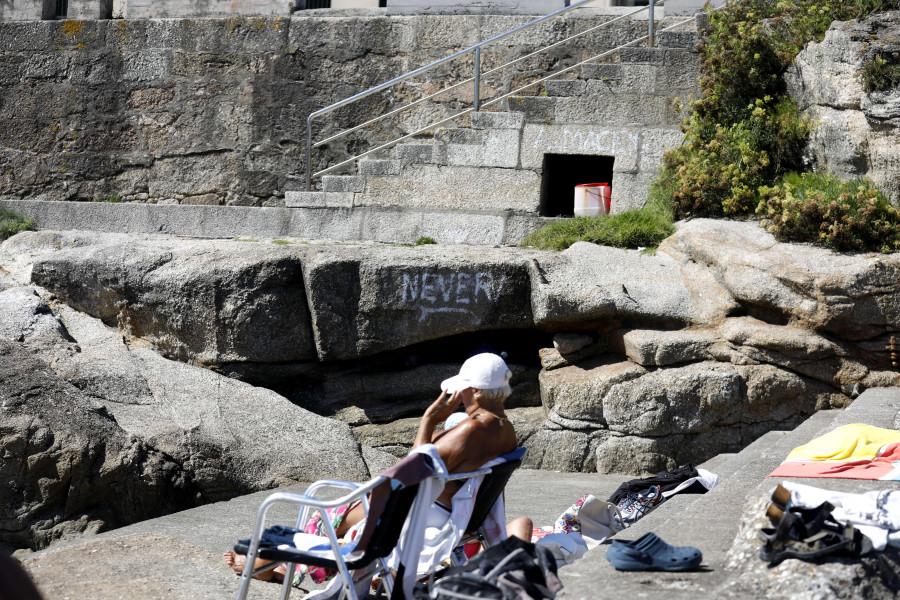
568,522
316,526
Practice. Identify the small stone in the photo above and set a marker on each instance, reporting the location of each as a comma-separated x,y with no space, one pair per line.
567,343
551,359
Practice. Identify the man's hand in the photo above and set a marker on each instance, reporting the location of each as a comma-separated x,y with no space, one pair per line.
443,407
438,412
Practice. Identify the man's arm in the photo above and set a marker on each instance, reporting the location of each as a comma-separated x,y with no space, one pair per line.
438,412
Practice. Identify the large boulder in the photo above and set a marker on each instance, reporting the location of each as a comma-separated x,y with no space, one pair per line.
589,284
853,297
616,416
97,434
368,300
208,302
67,466
854,132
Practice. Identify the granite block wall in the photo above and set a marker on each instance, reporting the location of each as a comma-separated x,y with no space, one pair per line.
213,111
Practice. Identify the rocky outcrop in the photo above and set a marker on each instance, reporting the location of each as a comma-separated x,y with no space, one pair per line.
771,333
96,434
638,361
854,133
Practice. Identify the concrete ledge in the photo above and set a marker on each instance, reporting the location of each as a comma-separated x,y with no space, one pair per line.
315,222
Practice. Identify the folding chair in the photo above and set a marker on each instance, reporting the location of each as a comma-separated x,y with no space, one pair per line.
489,492
406,489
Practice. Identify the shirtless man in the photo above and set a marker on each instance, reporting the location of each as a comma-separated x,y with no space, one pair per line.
486,433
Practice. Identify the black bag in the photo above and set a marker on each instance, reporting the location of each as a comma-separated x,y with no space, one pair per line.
510,570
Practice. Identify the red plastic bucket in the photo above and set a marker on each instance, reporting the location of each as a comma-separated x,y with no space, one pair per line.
592,199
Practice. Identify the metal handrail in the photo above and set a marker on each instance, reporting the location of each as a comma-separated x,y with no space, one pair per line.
477,104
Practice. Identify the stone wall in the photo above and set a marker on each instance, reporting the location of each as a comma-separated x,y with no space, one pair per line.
175,9
35,10
214,111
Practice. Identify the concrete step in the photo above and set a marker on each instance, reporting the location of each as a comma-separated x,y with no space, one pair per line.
459,135
602,71
535,109
678,39
709,521
565,87
343,183
422,153
497,120
379,167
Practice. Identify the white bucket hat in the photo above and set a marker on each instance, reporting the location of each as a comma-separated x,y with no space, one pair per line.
482,371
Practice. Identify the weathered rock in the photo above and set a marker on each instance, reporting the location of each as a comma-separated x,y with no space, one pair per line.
551,358
233,436
68,467
603,410
87,427
852,297
591,284
365,301
568,343
200,301
874,575
854,133
577,393
662,348
24,317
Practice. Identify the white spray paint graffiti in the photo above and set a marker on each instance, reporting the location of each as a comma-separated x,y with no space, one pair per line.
589,141
450,293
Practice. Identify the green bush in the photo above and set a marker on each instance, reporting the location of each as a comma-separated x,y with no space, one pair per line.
423,241
718,168
881,73
820,208
745,133
12,223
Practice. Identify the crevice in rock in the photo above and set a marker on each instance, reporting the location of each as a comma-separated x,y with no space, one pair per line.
400,383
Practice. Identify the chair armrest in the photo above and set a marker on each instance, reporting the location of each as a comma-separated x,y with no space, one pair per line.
467,475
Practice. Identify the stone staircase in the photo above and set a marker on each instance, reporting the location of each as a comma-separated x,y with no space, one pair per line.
487,180
712,521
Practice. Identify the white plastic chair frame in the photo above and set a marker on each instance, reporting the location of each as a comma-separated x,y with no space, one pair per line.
308,502
412,546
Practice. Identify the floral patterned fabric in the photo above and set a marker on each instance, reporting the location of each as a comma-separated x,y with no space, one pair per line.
316,526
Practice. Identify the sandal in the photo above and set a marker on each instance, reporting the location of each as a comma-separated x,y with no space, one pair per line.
650,553
808,534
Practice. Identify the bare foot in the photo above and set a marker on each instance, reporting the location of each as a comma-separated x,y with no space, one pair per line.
237,562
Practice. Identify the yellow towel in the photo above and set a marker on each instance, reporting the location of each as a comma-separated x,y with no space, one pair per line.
855,441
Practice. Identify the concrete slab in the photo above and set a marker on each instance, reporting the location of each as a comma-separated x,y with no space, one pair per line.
316,216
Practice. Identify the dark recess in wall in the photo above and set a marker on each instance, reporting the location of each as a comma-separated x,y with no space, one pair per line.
562,172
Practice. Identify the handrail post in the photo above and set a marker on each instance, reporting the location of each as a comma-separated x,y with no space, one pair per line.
309,153
477,77
650,41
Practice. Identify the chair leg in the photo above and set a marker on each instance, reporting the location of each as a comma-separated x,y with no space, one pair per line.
288,582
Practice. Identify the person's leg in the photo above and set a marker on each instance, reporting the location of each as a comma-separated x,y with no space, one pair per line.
353,516
520,528
237,562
